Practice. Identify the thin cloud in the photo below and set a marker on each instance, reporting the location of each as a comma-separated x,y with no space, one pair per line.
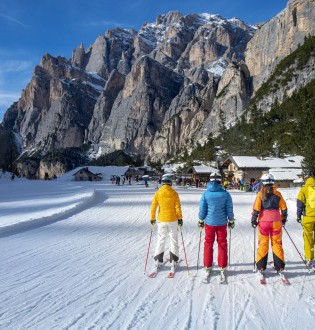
12,19
14,66
106,24
7,98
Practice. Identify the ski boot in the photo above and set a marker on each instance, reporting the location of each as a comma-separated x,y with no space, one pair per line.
223,276
206,278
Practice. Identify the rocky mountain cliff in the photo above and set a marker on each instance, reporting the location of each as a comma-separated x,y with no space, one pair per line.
278,38
158,91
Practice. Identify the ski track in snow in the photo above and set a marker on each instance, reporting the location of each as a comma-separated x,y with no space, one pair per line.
85,271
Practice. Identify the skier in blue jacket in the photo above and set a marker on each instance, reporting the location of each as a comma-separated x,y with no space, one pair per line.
215,212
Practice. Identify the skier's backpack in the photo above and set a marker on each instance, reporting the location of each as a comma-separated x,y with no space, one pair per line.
311,197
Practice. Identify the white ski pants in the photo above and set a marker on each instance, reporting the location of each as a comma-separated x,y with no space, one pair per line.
170,228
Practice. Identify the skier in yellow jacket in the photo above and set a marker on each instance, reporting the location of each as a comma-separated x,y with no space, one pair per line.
306,211
167,201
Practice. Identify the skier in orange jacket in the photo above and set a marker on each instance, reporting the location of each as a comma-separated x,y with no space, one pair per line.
269,214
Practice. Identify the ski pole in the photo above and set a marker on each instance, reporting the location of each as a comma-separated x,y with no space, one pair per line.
230,246
146,261
184,250
305,263
199,250
254,268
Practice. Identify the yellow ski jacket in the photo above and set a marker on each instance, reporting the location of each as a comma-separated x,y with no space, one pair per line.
306,199
167,201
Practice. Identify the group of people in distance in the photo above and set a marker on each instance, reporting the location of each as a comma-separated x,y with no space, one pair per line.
269,215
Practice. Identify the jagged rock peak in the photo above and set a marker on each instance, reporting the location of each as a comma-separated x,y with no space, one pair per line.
169,18
48,59
78,56
120,33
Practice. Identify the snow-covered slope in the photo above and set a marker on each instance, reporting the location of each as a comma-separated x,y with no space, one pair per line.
86,270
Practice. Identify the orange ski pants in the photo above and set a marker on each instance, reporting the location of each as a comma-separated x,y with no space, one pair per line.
270,230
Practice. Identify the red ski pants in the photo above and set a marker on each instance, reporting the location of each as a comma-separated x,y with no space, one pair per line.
211,232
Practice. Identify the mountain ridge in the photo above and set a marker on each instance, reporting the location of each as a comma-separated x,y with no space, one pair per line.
159,90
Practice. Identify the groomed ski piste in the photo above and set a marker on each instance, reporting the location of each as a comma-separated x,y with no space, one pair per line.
73,257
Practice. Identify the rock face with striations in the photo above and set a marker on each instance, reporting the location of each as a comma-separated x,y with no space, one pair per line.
56,106
160,90
169,92
278,38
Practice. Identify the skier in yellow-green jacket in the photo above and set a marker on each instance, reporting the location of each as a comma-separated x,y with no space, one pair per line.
166,200
306,216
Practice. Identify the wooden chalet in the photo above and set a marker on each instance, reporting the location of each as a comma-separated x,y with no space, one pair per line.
248,168
200,174
85,175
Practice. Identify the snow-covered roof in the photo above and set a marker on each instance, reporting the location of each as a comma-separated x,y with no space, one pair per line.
105,171
254,162
281,174
204,169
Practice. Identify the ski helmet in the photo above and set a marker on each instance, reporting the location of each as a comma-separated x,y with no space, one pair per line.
310,173
166,179
267,179
215,177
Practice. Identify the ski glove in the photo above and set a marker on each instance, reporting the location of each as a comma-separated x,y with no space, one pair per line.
284,221
254,223
180,222
299,220
153,222
231,224
201,223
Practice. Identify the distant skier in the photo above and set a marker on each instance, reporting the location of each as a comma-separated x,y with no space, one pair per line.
167,201
257,186
269,214
215,212
306,211
145,179
118,180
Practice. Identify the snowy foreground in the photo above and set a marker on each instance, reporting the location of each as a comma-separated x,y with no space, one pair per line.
73,255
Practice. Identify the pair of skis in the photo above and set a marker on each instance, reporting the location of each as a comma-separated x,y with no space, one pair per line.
207,278
171,274
284,280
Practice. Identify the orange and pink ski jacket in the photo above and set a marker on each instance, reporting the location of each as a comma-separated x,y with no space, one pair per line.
269,210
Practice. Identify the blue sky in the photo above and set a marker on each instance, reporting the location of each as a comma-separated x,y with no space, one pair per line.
31,28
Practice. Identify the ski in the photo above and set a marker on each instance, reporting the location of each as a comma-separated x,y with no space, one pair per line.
262,279
171,274
284,280
153,274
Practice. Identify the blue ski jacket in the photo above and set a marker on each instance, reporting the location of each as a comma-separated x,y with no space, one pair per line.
216,206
